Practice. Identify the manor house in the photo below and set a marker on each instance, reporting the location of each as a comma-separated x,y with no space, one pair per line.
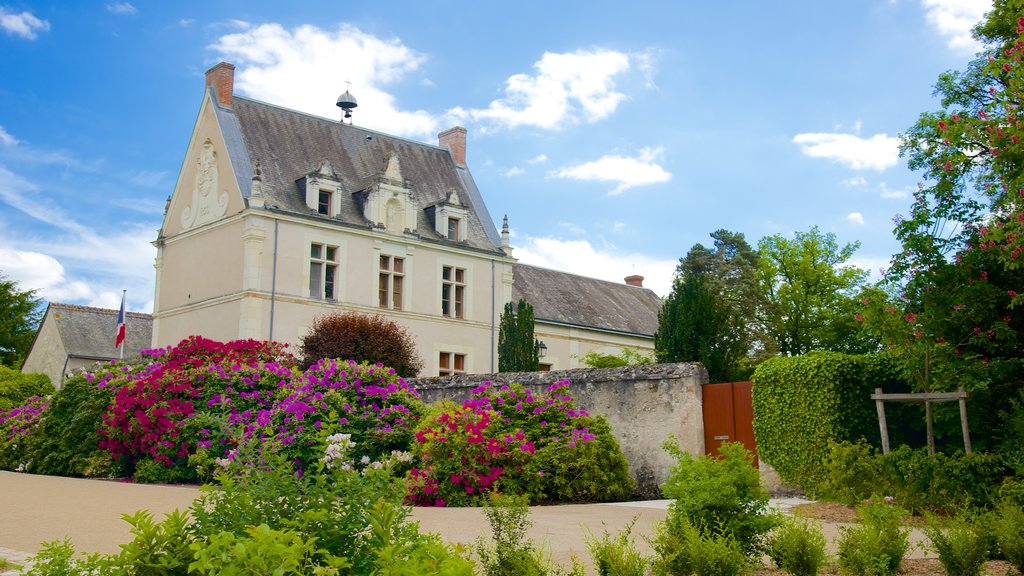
279,216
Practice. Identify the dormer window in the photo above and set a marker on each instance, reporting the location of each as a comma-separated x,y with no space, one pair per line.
453,229
324,203
322,189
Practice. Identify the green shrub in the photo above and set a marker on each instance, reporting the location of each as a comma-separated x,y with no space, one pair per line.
683,549
617,556
67,443
510,552
721,496
877,544
260,550
960,544
802,403
798,547
16,387
18,427
401,550
363,338
1007,526
157,549
851,472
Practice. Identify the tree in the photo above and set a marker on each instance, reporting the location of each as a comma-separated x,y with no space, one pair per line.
809,293
361,337
710,316
518,349
19,319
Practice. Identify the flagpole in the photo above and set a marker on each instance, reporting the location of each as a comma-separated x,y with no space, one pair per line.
124,293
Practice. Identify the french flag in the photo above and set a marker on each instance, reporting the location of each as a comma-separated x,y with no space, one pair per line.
119,339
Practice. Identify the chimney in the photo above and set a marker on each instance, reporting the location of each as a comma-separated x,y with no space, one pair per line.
454,139
635,280
222,78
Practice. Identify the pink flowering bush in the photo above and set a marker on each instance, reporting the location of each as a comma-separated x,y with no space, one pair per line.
148,420
16,428
368,401
513,440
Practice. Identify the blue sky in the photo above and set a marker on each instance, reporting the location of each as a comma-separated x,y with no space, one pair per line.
614,136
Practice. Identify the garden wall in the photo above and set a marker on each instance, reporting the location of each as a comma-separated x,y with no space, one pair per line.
643,405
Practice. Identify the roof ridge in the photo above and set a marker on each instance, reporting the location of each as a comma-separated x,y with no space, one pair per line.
332,121
590,278
107,311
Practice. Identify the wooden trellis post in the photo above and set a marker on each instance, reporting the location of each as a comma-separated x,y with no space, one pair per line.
927,399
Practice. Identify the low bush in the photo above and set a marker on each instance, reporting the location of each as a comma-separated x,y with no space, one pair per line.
877,544
617,555
507,438
798,547
509,552
720,496
361,338
961,545
683,549
17,386
1006,526
17,428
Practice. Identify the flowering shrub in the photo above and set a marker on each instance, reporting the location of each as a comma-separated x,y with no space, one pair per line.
367,401
16,425
146,419
510,439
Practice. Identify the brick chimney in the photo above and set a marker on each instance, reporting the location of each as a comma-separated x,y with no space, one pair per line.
635,280
222,78
454,139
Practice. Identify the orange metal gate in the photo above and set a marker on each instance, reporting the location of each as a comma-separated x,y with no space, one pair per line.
728,416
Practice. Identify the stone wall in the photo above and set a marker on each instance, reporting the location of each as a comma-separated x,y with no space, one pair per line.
643,405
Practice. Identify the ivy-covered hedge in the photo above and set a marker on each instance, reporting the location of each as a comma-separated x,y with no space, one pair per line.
803,402
16,387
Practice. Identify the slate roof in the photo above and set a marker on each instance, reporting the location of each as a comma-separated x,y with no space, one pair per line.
89,332
580,301
289,145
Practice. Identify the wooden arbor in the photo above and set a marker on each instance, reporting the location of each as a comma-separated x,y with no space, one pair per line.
926,398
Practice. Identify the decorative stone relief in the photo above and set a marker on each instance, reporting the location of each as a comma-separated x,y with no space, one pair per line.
208,203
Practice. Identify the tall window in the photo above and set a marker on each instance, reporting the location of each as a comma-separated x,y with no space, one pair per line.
323,267
450,363
323,205
453,229
453,292
392,276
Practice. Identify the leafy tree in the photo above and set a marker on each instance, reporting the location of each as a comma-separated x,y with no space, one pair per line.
16,387
361,337
628,357
518,349
19,319
710,316
809,293
949,305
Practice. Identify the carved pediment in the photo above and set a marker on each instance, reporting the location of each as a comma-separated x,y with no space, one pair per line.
208,201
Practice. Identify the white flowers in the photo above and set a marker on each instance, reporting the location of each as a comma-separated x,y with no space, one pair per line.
336,453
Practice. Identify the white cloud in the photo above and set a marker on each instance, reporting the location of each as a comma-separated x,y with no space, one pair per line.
6,139
855,218
538,159
879,152
121,8
856,181
186,22
628,172
24,24
514,171
580,257
888,194
954,20
566,89
306,69
43,273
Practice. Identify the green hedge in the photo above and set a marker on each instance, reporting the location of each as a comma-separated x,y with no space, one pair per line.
803,402
16,387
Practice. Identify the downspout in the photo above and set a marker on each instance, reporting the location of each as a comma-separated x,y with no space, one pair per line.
493,311
273,282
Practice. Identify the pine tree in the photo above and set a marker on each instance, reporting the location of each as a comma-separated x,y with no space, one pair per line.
518,349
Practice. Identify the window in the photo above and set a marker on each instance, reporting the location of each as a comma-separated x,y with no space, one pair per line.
322,270
449,364
324,203
392,276
453,292
453,229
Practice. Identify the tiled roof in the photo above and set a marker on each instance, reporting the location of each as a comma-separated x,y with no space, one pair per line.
577,300
89,332
290,145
